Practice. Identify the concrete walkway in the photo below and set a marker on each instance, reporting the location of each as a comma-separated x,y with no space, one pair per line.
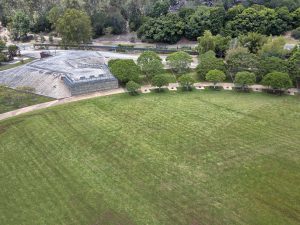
144,89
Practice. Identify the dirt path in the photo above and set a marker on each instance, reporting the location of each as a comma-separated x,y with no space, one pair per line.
145,89
59,102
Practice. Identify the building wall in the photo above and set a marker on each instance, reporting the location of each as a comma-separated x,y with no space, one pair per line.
89,87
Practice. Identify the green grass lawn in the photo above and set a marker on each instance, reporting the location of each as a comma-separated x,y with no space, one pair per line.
157,159
13,99
10,66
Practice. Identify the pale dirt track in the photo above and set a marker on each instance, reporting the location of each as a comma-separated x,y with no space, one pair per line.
144,89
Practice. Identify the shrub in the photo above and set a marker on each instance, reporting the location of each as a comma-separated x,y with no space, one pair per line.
133,87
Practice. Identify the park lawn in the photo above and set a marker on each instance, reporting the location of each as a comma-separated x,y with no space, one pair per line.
10,66
155,159
14,99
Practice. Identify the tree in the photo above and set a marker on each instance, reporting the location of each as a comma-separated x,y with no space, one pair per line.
116,21
296,18
2,45
159,81
198,23
206,42
133,87
215,76
296,33
253,41
217,19
20,26
245,79
186,82
98,23
257,19
167,29
134,15
124,70
179,62
274,47
294,65
74,27
209,42
208,61
150,63
271,64
159,8
12,51
54,14
277,80
240,59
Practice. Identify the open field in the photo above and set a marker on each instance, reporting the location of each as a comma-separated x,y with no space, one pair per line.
158,159
13,99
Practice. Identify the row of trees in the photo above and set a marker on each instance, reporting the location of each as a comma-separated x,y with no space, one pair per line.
150,66
151,18
254,52
239,20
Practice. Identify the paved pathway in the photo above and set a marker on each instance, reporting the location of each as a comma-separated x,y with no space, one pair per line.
144,89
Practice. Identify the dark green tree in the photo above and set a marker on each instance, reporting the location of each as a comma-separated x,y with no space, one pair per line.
253,41
215,76
198,23
159,81
244,79
168,29
150,64
20,26
74,27
208,61
277,80
294,65
179,62
124,70
186,82
239,60
271,64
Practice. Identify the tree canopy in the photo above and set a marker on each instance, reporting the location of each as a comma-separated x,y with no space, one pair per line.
215,76
208,61
277,80
179,62
124,70
150,63
245,79
186,82
74,27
